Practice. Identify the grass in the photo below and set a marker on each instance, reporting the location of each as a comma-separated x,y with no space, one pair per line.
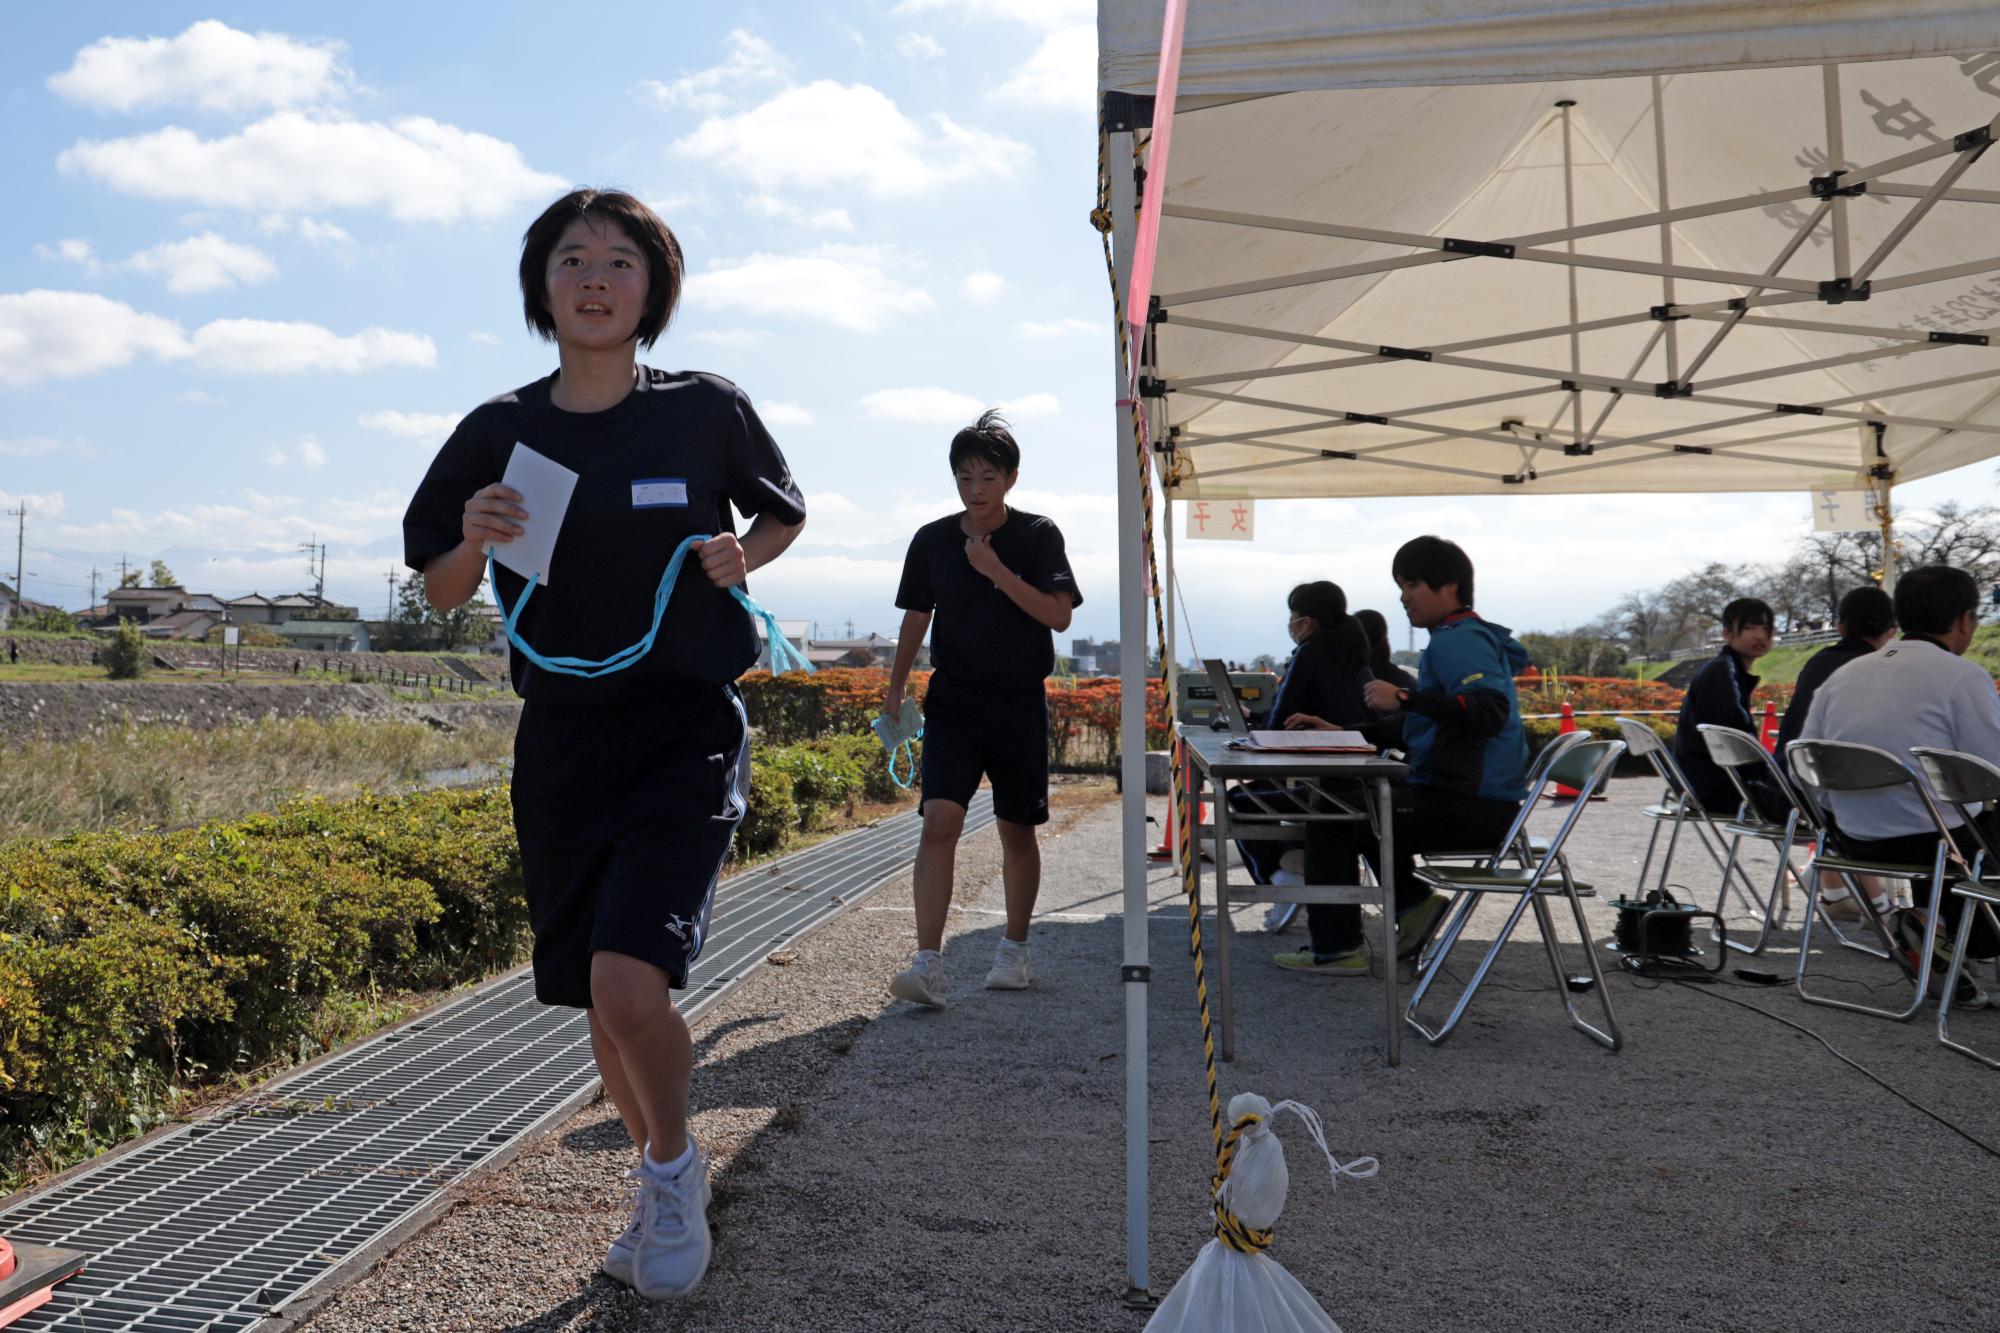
1781,665
133,777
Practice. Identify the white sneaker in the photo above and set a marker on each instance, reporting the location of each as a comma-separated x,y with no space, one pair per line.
1010,967
923,981
617,1263
674,1246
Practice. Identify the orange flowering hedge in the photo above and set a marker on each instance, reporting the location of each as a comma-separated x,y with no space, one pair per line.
841,701
1615,694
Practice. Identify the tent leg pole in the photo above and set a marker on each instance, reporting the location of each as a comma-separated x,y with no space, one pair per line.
1885,510
1136,972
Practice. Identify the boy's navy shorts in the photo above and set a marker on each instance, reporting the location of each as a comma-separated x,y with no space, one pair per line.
1000,734
625,816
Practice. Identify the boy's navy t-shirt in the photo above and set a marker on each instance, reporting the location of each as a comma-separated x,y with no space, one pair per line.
684,427
978,636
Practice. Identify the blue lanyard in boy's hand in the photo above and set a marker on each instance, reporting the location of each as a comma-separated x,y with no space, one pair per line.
781,648
899,736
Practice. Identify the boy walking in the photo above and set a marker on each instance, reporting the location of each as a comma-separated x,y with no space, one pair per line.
991,584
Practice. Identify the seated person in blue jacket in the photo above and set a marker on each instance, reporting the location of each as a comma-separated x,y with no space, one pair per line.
1467,754
1321,688
1720,695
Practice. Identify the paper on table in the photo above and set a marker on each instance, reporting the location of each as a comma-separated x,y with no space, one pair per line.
545,486
1315,742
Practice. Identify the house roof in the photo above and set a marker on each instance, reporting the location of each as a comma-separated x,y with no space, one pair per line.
254,599
145,594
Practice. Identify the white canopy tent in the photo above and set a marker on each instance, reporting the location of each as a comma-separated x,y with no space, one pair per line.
1468,247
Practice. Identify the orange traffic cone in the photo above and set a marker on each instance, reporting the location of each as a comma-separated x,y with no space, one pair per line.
1769,735
1568,725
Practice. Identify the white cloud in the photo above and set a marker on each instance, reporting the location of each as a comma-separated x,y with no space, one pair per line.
1060,328
432,427
1044,14
260,523
849,286
47,506
310,454
927,405
1032,405
279,347
38,446
415,169
211,65
787,210
57,335
831,135
935,406
784,414
983,286
204,263
483,338
752,60
1060,76
197,398
276,457
732,338
323,235
918,46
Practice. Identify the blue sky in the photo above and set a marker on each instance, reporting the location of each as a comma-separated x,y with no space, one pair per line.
258,260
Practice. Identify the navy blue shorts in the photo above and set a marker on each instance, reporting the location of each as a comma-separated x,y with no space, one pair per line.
972,732
625,816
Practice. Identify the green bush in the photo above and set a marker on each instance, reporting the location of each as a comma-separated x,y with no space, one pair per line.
823,779
772,816
131,965
125,655
866,756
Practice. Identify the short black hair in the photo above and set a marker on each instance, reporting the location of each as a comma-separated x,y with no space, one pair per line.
1746,611
1867,612
1326,603
641,225
988,438
1931,598
1435,561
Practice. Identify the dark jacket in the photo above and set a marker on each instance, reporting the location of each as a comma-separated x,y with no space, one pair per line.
1811,676
1320,681
1720,696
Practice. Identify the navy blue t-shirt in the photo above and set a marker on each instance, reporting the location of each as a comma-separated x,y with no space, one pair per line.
684,427
979,637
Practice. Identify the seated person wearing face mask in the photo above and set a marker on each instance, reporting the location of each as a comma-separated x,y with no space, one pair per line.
1321,688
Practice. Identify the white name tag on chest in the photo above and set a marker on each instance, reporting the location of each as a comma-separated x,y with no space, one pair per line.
660,493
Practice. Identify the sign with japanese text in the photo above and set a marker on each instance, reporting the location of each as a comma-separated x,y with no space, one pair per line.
1222,520
1844,511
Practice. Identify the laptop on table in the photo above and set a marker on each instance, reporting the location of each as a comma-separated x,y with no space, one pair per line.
1294,742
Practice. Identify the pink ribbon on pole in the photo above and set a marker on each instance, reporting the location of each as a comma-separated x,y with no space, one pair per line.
1148,240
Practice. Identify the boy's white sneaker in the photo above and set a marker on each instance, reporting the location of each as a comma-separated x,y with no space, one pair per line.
923,981
1010,967
674,1245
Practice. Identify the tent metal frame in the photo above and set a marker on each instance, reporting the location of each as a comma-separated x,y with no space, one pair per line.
1581,447
1850,281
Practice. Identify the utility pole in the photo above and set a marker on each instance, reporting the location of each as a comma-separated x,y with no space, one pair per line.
20,513
93,587
316,549
391,614
123,568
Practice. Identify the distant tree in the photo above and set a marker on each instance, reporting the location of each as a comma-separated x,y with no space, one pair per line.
49,621
131,578
1584,652
162,576
417,625
1265,662
125,657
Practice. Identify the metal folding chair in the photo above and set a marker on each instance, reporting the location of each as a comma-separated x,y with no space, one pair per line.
1675,809
1965,782
1526,848
1581,766
1738,754
1823,767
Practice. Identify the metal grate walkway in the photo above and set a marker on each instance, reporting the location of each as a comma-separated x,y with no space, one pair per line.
212,1227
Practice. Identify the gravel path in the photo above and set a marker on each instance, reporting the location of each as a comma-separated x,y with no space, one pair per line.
881,1167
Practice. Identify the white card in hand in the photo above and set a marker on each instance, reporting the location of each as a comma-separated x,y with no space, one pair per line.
545,486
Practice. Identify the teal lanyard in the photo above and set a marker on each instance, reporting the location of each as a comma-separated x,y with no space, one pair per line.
782,651
904,750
